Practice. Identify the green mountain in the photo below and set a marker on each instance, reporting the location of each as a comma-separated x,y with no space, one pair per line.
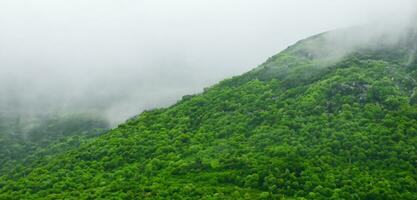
21,137
332,117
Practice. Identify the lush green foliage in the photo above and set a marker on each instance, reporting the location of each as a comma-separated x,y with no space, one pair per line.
20,139
294,128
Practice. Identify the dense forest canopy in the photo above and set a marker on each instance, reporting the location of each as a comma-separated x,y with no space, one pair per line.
20,137
315,121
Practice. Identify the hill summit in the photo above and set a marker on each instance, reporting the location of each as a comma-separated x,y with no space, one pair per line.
332,117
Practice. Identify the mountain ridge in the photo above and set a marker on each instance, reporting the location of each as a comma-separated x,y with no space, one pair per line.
311,122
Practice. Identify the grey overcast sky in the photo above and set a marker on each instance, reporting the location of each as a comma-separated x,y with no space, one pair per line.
123,56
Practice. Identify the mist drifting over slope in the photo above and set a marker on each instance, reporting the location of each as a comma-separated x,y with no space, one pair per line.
121,57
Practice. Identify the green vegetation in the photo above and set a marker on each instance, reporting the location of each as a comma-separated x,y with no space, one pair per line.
300,126
20,139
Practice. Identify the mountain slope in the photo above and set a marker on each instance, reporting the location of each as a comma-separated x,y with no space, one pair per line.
317,121
20,139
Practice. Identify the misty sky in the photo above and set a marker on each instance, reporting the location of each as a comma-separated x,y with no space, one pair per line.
123,56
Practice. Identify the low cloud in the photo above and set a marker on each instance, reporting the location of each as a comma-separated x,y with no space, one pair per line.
121,57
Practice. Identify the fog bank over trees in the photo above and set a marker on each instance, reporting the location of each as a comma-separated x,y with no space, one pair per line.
121,57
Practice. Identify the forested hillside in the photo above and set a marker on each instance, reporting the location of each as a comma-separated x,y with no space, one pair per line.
312,122
21,138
